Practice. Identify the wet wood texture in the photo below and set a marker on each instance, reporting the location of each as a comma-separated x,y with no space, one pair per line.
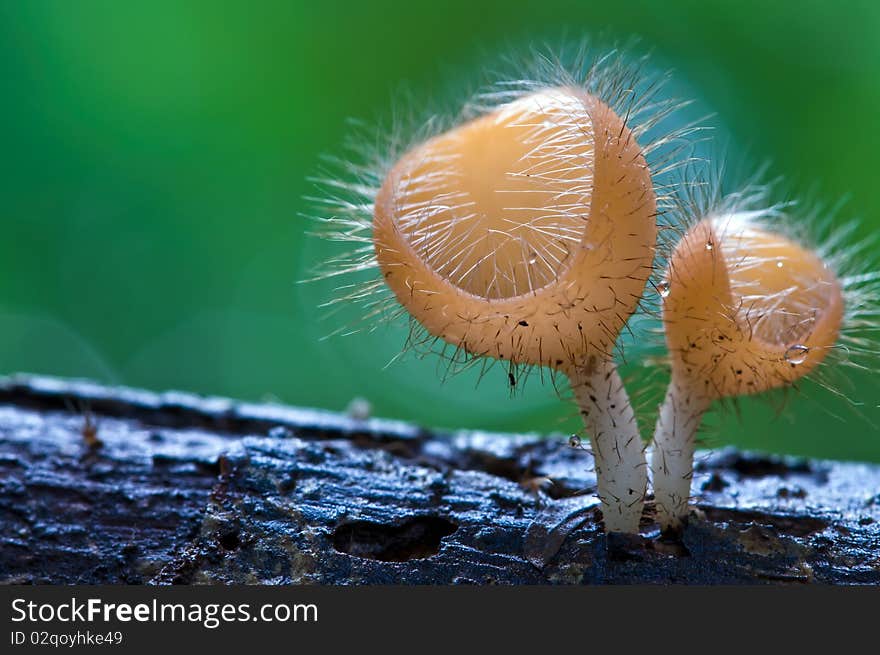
179,489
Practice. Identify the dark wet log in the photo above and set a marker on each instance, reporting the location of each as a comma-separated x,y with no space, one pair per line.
175,488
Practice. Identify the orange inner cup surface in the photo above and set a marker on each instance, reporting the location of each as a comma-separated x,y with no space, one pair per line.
526,234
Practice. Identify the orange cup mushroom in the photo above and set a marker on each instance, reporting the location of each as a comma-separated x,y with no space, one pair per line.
527,235
745,310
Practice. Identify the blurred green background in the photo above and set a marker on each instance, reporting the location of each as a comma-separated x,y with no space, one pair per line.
155,155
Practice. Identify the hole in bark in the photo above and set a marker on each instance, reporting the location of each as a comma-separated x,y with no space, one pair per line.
715,483
416,538
229,540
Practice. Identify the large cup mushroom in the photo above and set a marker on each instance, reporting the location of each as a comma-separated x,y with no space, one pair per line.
528,235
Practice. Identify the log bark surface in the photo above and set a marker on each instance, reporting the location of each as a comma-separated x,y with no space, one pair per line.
182,489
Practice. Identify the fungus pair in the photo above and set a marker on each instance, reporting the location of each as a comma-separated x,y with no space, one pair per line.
528,233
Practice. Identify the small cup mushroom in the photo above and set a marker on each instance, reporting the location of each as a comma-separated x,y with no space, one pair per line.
745,309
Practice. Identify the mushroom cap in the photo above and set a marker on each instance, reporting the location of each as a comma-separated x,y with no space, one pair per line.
747,310
527,234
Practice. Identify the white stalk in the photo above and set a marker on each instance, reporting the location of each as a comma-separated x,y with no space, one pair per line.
672,463
618,450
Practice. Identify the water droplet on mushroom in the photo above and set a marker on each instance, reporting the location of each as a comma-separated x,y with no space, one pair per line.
796,354
663,288
710,245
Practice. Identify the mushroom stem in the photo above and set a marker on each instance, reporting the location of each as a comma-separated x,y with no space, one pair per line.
618,449
672,463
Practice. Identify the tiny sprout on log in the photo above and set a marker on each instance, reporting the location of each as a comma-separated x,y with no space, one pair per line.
745,310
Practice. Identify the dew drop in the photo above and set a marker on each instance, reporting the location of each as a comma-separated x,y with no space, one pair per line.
663,288
574,441
710,245
779,264
796,354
